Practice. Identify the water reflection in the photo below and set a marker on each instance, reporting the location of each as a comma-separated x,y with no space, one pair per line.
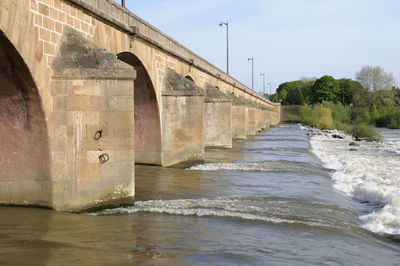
169,183
22,232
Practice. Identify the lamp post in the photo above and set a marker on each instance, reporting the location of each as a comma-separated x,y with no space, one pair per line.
270,93
252,72
227,44
263,75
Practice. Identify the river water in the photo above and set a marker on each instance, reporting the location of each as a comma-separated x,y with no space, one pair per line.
288,196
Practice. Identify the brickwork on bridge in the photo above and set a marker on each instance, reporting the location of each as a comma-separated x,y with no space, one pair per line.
50,18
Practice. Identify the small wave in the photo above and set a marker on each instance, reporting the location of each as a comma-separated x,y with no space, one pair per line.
280,149
272,210
264,166
369,173
276,139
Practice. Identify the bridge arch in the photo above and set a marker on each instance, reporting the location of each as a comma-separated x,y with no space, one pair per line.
188,77
24,144
147,114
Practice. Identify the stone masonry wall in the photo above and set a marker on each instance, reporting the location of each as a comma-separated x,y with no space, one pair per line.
50,18
251,122
218,124
239,122
93,121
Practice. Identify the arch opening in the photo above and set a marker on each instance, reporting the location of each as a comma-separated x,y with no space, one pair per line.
147,115
24,146
190,78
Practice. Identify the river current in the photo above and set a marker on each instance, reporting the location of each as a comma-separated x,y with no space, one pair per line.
288,196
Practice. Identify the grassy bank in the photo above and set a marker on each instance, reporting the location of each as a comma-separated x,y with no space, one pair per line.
329,115
291,113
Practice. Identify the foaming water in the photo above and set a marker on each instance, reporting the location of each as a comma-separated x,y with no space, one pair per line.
263,166
273,210
369,173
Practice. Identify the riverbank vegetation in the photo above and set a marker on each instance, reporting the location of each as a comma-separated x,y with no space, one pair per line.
355,106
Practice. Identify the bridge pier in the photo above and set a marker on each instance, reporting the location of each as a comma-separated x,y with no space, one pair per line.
251,121
275,117
239,121
265,118
182,121
218,119
239,117
258,119
93,127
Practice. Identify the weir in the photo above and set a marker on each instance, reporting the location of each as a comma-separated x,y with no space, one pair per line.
88,89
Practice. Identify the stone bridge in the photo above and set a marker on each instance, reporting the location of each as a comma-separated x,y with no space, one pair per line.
87,89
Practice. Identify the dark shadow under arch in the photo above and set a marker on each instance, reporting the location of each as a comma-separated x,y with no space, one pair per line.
147,115
24,146
190,78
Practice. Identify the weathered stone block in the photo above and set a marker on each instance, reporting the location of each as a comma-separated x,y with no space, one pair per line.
251,122
218,119
239,122
257,120
98,167
182,121
218,124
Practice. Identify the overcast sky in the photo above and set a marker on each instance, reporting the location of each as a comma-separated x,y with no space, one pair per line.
289,39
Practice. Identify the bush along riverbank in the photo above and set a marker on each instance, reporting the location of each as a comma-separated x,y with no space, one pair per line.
354,106
329,115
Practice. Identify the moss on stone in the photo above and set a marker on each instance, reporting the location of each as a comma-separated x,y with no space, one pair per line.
126,205
96,209
103,207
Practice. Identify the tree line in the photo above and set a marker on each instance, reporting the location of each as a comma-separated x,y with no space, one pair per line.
372,99
370,82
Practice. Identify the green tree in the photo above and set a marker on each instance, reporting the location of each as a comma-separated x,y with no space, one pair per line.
301,85
295,97
306,87
325,88
361,96
282,95
348,88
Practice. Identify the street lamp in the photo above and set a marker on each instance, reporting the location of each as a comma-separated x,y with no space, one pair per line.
263,75
252,72
227,44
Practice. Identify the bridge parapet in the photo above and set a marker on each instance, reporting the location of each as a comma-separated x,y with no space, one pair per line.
112,13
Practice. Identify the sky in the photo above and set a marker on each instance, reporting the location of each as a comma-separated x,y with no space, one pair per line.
288,39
